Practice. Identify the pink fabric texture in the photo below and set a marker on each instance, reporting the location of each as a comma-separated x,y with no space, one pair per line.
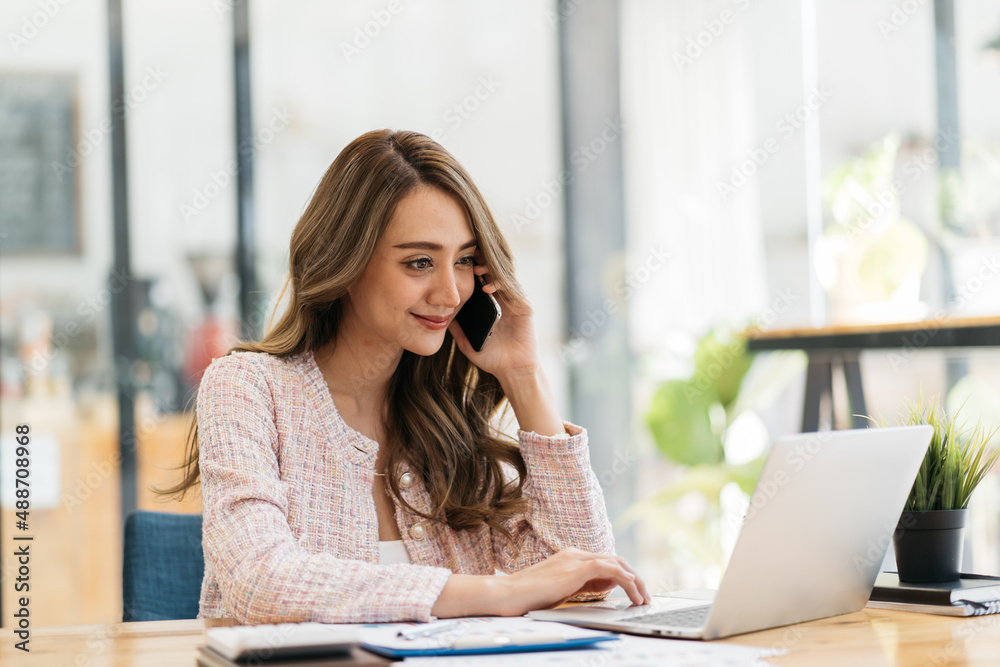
290,529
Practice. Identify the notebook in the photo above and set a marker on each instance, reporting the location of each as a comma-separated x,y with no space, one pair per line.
819,523
281,640
973,595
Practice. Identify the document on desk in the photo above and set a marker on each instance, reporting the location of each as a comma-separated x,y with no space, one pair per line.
476,636
630,651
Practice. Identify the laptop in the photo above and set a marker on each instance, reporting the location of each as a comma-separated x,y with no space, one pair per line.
813,539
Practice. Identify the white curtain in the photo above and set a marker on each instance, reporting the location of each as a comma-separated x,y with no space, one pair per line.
688,108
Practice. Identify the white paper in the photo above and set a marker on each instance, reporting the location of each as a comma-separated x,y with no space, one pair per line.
629,650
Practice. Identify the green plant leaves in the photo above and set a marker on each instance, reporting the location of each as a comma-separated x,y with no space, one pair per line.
680,423
956,461
680,416
720,362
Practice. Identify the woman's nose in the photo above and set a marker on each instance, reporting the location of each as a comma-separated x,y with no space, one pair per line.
445,291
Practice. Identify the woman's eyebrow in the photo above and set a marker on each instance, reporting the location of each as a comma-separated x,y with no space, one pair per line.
427,245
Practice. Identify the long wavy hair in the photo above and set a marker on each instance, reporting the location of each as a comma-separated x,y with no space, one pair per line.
441,412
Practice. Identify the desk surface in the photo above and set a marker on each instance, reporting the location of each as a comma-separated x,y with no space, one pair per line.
867,637
945,332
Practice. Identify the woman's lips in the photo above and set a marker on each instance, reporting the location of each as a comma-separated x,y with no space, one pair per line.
433,323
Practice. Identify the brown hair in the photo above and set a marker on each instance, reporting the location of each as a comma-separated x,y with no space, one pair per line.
446,431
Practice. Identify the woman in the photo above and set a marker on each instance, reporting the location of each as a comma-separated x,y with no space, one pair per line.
350,464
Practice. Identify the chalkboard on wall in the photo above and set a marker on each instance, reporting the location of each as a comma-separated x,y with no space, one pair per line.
39,158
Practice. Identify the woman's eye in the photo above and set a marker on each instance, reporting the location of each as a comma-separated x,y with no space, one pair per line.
468,261
419,264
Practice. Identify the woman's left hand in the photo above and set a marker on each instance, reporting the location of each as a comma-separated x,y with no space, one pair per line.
512,351
511,356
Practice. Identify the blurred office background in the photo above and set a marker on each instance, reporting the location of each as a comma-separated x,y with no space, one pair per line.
669,173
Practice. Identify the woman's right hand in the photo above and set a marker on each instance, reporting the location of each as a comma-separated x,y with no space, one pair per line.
564,574
546,584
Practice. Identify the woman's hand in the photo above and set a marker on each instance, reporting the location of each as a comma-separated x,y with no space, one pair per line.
546,584
512,352
567,573
511,355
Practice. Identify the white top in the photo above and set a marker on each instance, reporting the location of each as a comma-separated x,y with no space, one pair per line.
392,551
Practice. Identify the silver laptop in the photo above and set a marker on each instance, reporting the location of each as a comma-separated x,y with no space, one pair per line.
817,528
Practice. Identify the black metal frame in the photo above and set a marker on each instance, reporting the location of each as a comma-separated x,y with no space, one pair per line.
844,349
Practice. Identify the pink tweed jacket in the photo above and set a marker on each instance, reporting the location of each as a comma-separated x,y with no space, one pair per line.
290,530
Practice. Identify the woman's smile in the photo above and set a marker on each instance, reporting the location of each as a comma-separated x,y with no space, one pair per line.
434,323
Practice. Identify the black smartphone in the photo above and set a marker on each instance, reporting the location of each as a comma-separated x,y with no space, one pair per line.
479,316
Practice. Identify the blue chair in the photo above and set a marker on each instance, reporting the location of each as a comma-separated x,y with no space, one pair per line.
163,566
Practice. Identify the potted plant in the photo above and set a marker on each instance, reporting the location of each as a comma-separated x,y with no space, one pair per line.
928,538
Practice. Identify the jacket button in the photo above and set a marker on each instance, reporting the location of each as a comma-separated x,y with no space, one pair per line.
417,531
405,480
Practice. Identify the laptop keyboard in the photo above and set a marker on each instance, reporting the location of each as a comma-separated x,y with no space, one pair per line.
693,617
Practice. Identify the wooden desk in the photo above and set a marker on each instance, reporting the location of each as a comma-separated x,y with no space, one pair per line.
865,638
843,344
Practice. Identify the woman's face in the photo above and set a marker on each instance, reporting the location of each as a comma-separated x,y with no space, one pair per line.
419,276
